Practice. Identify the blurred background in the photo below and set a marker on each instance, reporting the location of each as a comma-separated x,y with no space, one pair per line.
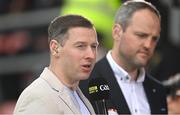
24,48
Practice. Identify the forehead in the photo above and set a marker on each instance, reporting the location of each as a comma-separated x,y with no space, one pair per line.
145,15
145,19
82,34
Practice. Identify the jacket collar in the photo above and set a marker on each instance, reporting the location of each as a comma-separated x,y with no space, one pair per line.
60,88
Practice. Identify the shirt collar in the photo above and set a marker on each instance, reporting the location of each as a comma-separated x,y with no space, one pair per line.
121,73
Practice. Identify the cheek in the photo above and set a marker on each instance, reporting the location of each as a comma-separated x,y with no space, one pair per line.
128,45
69,62
72,57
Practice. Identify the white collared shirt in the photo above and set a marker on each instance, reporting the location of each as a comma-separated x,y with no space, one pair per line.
78,102
83,108
133,91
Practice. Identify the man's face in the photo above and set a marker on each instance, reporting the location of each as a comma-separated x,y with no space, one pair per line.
78,54
138,41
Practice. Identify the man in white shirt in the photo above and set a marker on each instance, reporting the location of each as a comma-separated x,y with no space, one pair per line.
135,32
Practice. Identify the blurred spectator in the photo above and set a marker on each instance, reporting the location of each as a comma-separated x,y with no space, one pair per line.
40,4
39,38
40,43
4,6
173,94
12,85
18,6
2,38
16,42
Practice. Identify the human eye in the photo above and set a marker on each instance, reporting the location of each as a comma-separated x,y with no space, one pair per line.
141,35
156,39
94,46
81,46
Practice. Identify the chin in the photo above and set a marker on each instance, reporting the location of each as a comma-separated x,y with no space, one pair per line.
84,77
142,63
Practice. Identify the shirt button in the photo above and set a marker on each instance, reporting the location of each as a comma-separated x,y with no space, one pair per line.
127,78
135,110
154,90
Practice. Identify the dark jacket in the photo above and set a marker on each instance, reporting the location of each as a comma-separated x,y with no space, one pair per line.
155,92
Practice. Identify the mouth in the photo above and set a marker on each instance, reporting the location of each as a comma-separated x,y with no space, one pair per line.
144,53
87,68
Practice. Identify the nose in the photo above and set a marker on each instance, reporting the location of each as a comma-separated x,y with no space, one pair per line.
148,43
91,53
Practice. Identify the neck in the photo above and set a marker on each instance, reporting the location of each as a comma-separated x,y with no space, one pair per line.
132,71
71,84
134,75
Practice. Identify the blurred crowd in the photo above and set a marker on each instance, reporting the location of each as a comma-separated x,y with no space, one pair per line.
23,41
18,42
19,6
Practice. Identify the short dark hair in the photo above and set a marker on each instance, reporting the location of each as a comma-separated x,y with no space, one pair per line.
60,25
127,9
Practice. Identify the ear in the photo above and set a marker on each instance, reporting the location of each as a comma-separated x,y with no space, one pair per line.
117,31
54,47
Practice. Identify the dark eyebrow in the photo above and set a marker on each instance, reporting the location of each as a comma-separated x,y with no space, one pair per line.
81,42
